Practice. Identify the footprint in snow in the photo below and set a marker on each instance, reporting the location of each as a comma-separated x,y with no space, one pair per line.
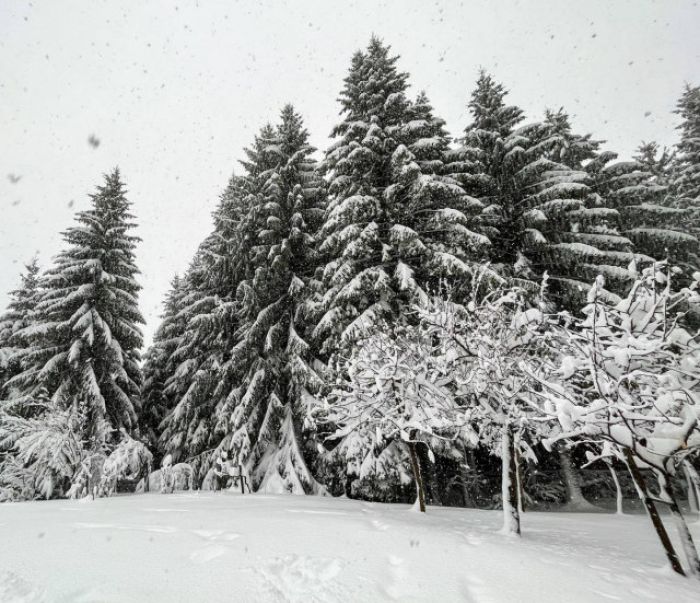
473,589
208,553
472,539
609,596
216,535
297,579
379,525
15,588
398,572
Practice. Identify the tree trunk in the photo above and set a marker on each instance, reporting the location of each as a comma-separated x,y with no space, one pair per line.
691,476
509,483
618,489
432,477
691,553
469,463
417,476
653,512
572,482
519,480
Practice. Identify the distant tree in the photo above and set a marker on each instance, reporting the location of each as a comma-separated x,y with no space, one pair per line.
20,314
536,192
159,363
686,173
208,317
685,183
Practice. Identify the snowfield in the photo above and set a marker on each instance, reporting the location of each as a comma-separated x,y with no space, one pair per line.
209,547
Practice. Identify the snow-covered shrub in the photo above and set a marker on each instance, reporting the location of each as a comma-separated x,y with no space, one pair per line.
44,456
390,395
172,477
128,460
16,482
47,449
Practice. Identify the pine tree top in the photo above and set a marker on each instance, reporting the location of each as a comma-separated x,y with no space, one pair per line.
371,82
489,109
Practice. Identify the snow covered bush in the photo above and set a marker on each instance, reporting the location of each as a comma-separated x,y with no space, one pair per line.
169,478
128,460
392,394
629,380
43,451
44,456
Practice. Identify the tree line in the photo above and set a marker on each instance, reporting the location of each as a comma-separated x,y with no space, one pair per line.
383,321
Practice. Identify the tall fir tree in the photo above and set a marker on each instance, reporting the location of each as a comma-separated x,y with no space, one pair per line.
686,180
246,363
398,223
158,363
272,366
208,315
685,184
395,220
536,192
83,350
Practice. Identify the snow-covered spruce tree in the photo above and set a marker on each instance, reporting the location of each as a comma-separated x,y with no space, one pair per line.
244,364
630,375
397,218
386,216
685,184
82,352
686,172
20,314
649,226
656,161
491,344
272,367
391,394
536,192
159,364
194,425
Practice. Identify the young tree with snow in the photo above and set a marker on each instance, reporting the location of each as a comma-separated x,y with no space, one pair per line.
490,345
205,324
391,394
630,381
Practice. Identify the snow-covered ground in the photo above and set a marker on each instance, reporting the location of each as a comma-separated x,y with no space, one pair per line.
225,547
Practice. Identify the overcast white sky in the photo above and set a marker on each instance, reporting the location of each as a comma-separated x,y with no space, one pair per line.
174,91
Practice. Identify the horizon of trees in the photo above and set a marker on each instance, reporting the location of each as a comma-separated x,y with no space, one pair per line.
314,270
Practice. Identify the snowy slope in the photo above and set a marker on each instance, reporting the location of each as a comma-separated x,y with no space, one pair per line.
212,547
